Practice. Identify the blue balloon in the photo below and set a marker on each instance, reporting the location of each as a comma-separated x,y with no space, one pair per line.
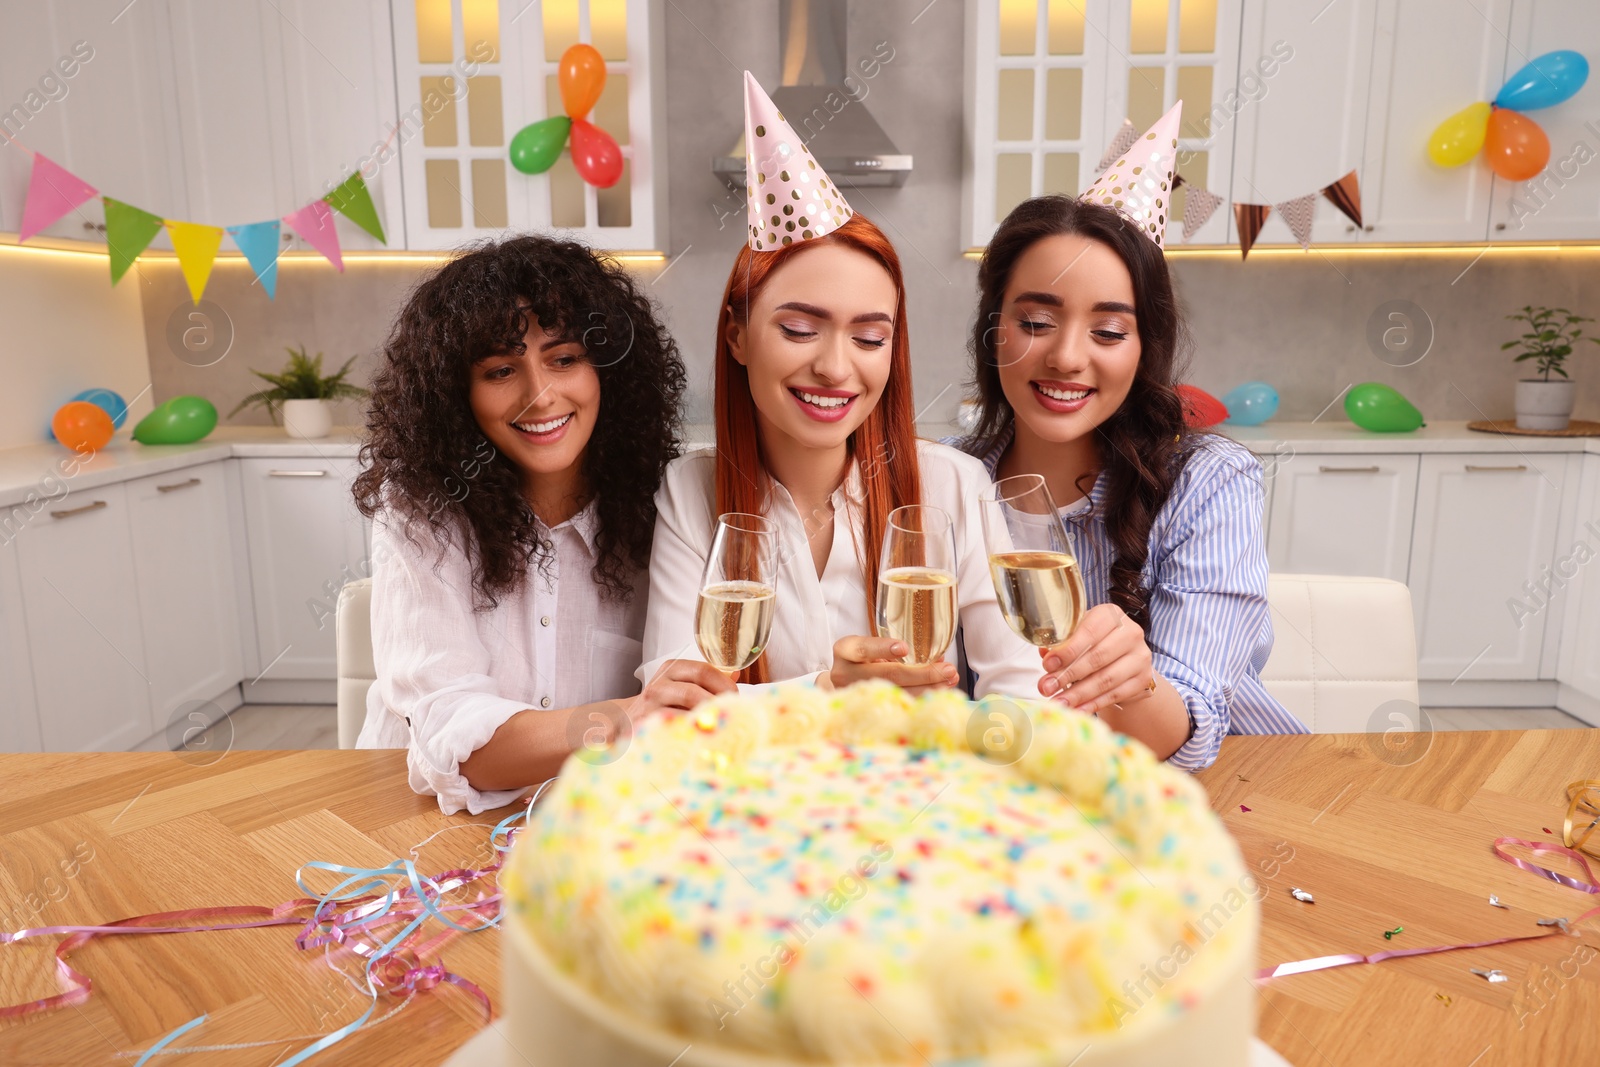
104,399
1250,404
1545,82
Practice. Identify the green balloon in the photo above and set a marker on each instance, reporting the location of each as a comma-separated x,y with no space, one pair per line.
1379,408
536,147
180,421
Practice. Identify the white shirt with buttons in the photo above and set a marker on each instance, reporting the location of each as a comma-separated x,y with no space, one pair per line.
449,676
812,612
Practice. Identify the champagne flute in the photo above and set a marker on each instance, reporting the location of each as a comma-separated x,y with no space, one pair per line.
917,582
1035,571
738,592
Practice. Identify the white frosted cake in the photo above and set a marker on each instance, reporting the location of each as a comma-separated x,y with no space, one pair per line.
804,877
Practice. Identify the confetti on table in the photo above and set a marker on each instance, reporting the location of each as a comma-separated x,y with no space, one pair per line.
1490,976
1301,895
1243,808
1554,922
1387,934
1241,778
1444,997
1494,902
1547,830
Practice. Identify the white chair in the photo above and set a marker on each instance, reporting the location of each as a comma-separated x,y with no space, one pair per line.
1342,649
353,655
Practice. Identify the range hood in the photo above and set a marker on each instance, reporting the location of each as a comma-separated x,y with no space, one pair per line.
827,111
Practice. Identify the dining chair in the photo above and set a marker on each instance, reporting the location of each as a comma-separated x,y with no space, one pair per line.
1344,652
353,657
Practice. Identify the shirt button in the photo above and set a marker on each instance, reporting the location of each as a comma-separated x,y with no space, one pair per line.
545,702
544,620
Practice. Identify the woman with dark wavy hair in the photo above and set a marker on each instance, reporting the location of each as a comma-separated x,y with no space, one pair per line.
518,430
1075,356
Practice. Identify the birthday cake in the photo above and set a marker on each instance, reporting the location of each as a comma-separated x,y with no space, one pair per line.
796,876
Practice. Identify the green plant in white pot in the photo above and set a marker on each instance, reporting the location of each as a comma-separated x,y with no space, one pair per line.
302,392
1543,403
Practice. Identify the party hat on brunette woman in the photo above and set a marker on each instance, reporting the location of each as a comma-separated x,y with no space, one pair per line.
790,197
1138,183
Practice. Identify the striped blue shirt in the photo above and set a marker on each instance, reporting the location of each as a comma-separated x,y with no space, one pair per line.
1210,630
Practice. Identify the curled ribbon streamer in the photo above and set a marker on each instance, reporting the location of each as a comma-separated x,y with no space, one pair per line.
1322,963
1582,798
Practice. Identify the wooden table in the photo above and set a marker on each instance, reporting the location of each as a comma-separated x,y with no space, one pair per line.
1383,837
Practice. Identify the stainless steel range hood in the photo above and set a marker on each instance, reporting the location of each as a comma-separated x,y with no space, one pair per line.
824,102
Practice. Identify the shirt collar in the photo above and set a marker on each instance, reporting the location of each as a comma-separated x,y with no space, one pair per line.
585,523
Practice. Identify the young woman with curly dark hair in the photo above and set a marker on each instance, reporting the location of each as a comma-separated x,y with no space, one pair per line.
1075,354
518,430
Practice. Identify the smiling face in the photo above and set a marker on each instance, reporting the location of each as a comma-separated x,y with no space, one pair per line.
817,347
538,407
1068,340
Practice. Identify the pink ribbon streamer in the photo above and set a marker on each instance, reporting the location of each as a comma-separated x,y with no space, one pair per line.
1322,963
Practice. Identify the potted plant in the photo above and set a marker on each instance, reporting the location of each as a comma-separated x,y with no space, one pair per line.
302,393
1543,404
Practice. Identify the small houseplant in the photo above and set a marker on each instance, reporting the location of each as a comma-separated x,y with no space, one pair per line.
302,392
1543,404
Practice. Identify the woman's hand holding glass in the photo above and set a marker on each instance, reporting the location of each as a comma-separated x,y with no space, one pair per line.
1106,661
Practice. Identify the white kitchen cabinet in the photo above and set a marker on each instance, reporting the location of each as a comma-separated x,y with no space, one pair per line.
306,539
1430,61
1562,203
1307,126
1343,514
83,614
1577,560
183,564
19,717
1486,523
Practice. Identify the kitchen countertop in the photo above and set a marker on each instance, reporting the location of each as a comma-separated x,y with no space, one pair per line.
33,468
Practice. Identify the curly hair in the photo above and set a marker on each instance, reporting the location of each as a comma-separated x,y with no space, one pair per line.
1145,443
428,464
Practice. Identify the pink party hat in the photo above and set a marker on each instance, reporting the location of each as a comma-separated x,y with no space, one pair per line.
1139,183
790,197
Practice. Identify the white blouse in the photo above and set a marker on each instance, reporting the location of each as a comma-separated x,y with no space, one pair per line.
449,676
814,612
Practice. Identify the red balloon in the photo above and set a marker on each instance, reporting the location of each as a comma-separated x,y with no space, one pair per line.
1200,408
595,154
1515,146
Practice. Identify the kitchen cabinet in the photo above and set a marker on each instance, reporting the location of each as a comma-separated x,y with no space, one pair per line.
1486,524
19,718
1577,560
183,565
306,540
86,644
1563,203
1343,514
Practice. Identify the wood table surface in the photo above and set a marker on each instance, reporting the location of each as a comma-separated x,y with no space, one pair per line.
1383,835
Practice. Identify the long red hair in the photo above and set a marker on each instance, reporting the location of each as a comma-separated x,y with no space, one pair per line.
883,449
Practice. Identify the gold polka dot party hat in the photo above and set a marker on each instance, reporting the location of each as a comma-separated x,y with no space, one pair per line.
790,197
1139,182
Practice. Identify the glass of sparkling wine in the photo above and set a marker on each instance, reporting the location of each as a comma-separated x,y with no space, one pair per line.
738,592
1031,560
917,582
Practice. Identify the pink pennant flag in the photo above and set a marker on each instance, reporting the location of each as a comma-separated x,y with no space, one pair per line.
52,192
314,223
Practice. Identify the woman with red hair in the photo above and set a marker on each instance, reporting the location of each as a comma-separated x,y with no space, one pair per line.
815,431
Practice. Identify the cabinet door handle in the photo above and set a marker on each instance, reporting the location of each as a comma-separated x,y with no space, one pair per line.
1518,467
1348,470
298,474
67,514
179,485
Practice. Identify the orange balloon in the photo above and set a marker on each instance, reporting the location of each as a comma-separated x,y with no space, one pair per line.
1515,146
82,426
582,76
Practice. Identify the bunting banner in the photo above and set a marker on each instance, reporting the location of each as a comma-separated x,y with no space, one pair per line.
1250,217
1297,213
1119,146
53,191
1198,207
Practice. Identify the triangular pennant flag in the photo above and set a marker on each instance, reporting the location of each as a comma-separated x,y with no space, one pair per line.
259,243
52,192
1345,194
129,232
1251,218
196,246
1198,207
789,198
1119,146
354,202
1298,214
314,223
1138,182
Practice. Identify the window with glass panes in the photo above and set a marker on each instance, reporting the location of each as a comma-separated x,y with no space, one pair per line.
483,69
1050,82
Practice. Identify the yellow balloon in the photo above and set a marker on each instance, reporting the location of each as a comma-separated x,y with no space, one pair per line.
1459,137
